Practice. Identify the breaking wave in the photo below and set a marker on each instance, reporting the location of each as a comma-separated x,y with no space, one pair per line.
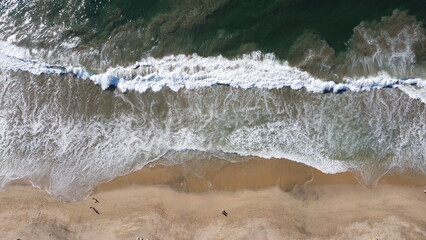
64,136
251,70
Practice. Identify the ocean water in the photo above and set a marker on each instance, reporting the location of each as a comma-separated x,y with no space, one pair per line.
92,90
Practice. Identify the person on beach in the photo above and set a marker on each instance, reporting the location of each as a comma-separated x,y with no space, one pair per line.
96,211
224,212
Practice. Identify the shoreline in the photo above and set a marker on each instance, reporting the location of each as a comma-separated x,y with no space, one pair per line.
255,174
265,199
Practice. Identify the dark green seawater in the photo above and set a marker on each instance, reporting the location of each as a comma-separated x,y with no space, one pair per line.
272,26
123,31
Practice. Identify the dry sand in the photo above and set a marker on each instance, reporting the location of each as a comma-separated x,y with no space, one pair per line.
265,199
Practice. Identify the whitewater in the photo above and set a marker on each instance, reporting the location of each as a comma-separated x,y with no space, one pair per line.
61,135
192,71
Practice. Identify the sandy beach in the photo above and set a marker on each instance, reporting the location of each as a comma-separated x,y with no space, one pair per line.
265,199
203,119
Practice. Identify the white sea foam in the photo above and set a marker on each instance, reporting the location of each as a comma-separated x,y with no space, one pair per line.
71,43
284,140
252,70
17,59
74,153
415,92
255,70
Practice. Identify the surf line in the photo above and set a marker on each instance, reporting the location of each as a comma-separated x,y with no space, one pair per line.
157,79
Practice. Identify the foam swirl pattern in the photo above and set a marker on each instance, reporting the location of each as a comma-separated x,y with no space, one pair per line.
65,135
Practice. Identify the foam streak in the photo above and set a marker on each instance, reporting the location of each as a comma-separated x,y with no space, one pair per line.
255,70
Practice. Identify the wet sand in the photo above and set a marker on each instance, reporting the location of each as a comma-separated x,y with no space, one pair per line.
265,199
